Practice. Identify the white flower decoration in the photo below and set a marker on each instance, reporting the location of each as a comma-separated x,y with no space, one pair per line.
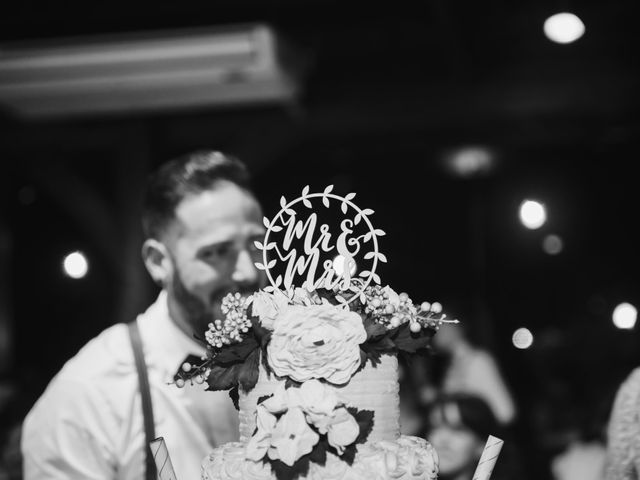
317,341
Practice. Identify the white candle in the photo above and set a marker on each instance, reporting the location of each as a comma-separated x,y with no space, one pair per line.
488,459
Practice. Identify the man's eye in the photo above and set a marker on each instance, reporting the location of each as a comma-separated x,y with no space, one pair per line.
217,252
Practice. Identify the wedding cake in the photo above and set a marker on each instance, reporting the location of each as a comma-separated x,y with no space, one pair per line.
313,369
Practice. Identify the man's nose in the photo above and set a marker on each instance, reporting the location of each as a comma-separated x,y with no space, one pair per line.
245,271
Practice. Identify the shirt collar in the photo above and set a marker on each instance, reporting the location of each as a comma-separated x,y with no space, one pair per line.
165,344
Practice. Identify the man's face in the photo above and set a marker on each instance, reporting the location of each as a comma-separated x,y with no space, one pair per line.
212,251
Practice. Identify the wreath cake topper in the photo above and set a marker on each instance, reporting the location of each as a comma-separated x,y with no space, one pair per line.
316,239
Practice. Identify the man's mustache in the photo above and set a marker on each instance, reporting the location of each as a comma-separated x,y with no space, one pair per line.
244,291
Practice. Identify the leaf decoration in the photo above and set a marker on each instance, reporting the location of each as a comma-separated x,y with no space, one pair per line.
265,222
328,190
407,341
238,352
367,237
364,273
278,281
258,245
325,201
223,378
374,330
382,257
261,334
283,202
259,266
271,264
270,246
248,371
276,228
379,233
357,218
283,471
350,196
372,351
235,397
376,277
349,454
369,255
319,453
367,212
365,419
328,295
344,207
307,203
305,191
291,383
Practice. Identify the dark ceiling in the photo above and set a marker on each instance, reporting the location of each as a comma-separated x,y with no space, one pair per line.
403,65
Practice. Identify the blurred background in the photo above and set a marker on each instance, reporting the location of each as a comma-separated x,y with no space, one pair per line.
445,117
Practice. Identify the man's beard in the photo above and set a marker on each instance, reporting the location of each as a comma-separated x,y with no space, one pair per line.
197,314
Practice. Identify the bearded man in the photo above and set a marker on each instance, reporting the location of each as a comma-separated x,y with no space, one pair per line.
200,220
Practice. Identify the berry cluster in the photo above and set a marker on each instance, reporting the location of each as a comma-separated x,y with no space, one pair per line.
235,323
392,310
430,315
378,304
197,373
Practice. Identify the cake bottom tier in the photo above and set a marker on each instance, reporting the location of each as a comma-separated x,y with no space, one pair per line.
408,458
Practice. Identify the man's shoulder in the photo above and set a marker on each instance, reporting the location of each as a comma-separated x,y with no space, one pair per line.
108,351
87,380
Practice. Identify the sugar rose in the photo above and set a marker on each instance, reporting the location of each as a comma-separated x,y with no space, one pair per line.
317,341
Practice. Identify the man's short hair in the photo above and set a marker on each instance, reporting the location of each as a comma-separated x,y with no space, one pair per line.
186,175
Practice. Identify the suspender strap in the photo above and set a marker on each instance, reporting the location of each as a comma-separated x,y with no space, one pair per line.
145,394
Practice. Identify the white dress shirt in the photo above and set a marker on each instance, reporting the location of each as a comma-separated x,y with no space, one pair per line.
88,424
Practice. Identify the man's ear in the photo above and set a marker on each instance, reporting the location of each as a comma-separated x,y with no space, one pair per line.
157,260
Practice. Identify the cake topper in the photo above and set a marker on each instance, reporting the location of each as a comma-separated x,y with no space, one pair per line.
356,237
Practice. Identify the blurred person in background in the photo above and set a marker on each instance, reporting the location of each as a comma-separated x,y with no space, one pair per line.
472,370
583,457
458,426
200,221
622,460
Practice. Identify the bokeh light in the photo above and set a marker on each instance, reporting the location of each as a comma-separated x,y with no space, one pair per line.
75,265
338,266
552,244
563,28
533,214
625,316
522,338
469,161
